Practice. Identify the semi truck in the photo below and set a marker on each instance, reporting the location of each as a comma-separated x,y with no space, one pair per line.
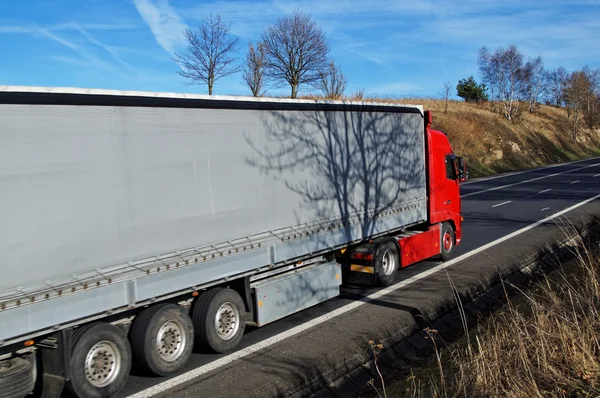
137,228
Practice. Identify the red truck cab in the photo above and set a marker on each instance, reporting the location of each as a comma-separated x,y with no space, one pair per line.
446,172
438,236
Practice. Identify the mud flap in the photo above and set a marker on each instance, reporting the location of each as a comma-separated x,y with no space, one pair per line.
55,364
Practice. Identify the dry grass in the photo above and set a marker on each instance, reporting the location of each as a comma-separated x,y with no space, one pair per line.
491,144
548,348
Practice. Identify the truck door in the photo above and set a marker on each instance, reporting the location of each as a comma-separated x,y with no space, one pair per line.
450,193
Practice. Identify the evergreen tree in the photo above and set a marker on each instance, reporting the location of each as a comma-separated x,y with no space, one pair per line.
470,90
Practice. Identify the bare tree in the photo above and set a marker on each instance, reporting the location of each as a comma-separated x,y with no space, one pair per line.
208,56
488,71
534,82
254,72
576,95
556,81
446,94
359,94
511,61
592,109
505,74
296,50
333,82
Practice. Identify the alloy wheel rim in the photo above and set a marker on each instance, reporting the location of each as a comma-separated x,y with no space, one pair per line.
227,321
447,241
102,363
388,262
171,340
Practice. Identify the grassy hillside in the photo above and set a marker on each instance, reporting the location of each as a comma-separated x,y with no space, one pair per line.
491,144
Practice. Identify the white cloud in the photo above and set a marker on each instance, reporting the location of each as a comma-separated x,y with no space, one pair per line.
94,26
86,54
164,22
109,49
64,27
87,57
58,39
70,60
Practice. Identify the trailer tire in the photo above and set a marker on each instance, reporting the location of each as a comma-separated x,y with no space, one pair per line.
104,344
386,262
448,242
162,339
219,317
16,378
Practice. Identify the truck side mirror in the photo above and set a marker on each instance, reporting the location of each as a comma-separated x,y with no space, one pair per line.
463,174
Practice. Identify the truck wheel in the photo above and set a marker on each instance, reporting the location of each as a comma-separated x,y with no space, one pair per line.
219,317
100,361
16,378
447,242
386,262
162,339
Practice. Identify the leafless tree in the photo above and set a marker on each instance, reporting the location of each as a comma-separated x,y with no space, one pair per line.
576,95
504,72
296,50
534,82
556,81
592,108
333,82
488,71
254,72
359,94
209,53
446,94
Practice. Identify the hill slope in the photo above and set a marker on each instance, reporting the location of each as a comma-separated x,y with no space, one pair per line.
491,144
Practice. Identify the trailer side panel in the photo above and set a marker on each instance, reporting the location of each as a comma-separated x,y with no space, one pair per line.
87,188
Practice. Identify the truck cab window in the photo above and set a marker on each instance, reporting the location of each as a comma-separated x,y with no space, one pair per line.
450,168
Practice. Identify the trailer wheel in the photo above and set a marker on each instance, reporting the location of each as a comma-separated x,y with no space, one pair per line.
386,262
16,377
162,339
447,242
100,361
219,317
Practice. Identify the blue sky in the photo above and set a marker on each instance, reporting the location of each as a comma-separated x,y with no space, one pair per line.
396,48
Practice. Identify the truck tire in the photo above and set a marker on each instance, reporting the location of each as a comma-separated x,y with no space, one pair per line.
219,317
16,378
162,339
100,361
447,243
386,262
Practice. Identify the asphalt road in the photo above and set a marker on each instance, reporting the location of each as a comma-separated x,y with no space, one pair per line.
492,208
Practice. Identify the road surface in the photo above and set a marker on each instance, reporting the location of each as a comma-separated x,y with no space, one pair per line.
272,359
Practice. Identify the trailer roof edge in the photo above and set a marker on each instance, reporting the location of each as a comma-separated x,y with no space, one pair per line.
220,101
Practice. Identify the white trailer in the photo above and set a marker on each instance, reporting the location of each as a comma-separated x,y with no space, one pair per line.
136,227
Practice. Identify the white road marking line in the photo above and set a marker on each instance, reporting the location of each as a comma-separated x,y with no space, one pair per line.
574,182
503,203
192,374
535,194
524,171
596,175
545,208
526,181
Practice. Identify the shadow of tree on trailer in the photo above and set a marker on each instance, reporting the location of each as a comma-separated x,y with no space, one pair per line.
346,164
